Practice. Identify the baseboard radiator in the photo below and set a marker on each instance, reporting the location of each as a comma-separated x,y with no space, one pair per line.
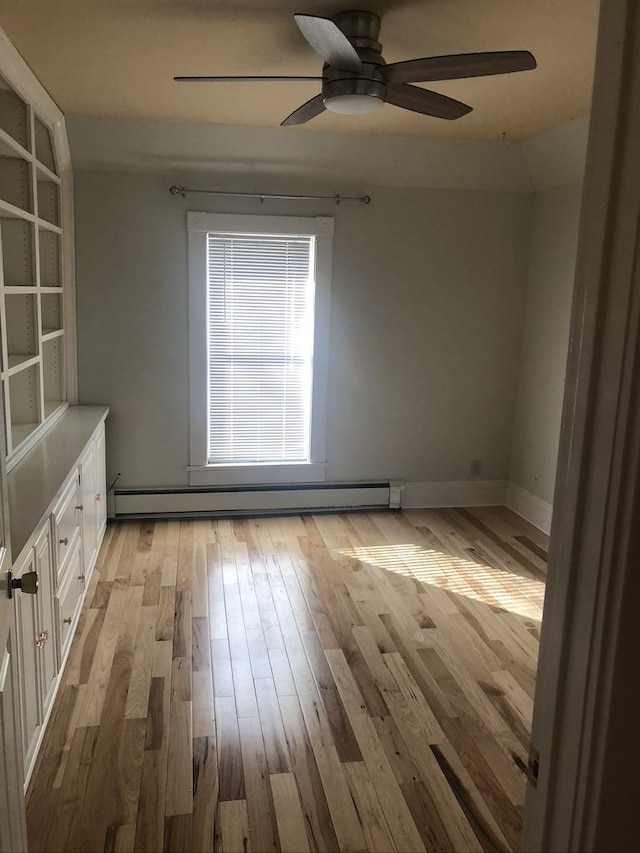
251,500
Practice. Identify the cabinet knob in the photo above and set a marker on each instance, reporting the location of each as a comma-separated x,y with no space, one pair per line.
64,541
81,578
41,639
80,507
67,621
28,583
98,497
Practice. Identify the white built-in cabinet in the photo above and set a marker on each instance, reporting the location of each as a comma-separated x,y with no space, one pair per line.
51,450
58,535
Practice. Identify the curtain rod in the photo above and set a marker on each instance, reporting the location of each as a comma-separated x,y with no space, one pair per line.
364,199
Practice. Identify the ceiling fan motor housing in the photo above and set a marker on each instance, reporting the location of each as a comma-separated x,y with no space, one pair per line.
362,29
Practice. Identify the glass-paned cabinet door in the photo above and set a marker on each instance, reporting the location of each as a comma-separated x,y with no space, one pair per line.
34,342
45,151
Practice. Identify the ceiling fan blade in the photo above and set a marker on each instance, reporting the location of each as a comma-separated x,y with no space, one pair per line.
425,101
329,42
310,109
459,65
239,79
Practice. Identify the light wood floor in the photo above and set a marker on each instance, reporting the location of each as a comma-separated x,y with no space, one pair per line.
356,682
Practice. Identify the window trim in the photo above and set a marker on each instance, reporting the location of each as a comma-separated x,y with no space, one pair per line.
201,472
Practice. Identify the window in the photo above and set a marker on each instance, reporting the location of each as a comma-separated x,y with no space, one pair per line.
259,303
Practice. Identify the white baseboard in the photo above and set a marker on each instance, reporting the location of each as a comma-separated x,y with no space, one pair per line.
529,506
456,493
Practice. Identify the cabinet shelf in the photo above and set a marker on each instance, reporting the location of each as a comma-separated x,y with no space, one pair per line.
46,173
50,334
49,226
9,147
20,361
11,211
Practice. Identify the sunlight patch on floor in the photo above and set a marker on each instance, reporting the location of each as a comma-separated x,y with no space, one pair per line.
489,585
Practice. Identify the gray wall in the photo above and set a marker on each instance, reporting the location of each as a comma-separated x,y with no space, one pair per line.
427,303
545,339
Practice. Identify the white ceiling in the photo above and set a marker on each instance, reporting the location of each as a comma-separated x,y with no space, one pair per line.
117,58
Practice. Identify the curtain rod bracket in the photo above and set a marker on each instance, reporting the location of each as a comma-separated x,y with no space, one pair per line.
363,199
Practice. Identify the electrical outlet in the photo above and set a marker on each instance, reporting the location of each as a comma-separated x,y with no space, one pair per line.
476,467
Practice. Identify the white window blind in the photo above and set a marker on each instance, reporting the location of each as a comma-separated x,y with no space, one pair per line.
260,294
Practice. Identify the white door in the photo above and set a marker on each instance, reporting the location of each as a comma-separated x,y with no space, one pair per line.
13,835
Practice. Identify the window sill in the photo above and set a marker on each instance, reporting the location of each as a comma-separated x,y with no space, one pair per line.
254,475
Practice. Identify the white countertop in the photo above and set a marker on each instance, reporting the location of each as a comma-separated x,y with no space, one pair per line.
36,479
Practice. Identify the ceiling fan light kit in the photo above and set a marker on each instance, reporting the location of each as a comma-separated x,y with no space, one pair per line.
353,104
356,80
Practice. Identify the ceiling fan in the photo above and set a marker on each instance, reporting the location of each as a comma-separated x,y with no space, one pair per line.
356,80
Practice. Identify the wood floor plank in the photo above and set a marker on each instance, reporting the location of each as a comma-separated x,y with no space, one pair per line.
374,824
151,813
205,792
291,829
124,604
203,706
221,666
138,696
113,781
179,794
199,585
340,682
234,827
229,752
343,814
260,809
178,835
318,821
403,830
166,610
492,816
120,839
273,735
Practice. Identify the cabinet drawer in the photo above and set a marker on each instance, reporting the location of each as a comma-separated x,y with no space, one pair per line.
69,596
66,522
